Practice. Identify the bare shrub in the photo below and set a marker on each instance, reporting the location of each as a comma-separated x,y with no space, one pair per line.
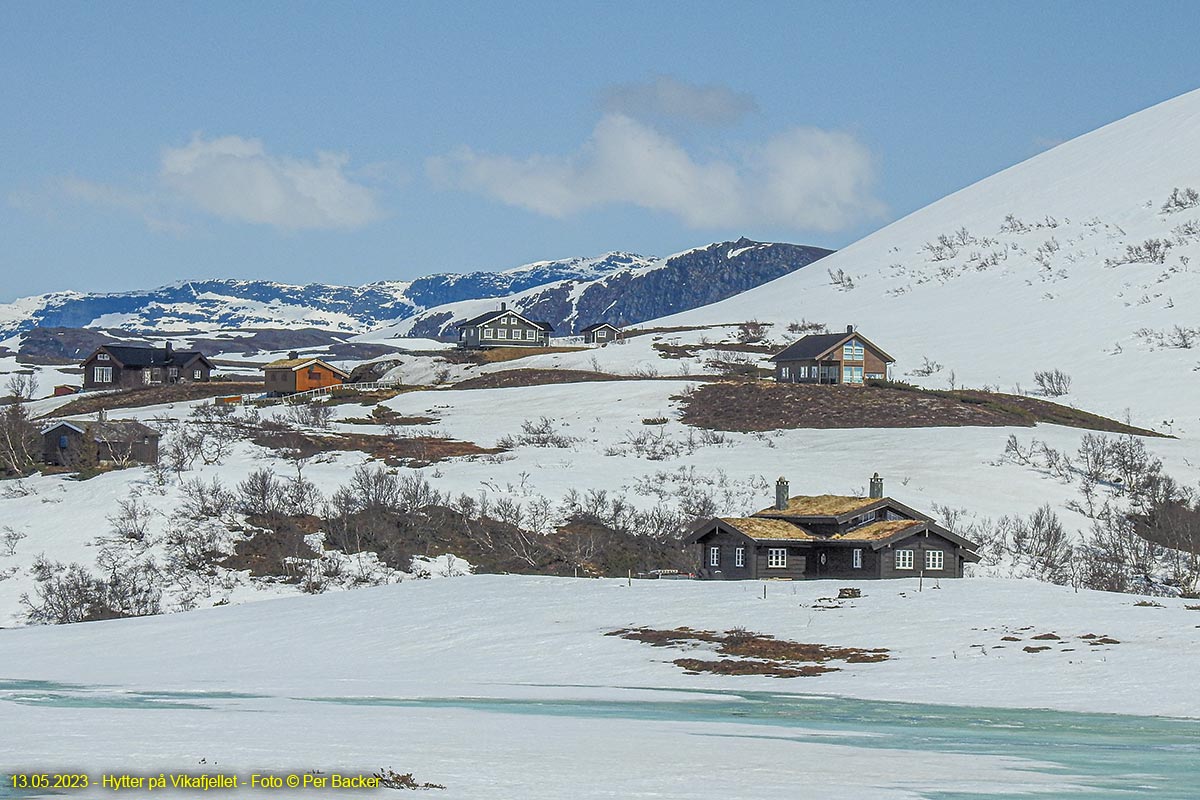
927,368
539,433
10,538
20,442
1181,200
66,594
22,387
1053,383
841,279
1151,251
752,331
132,519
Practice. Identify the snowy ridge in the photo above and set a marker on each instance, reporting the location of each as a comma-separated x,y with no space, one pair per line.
1078,259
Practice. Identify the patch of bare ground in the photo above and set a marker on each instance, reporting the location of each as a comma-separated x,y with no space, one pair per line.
390,779
382,415
496,355
692,350
535,377
629,333
153,396
407,451
747,653
765,406
542,377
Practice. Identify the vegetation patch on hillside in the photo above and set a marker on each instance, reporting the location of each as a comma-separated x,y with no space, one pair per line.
535,377
764,406
407,451
496,355
748,653
90,403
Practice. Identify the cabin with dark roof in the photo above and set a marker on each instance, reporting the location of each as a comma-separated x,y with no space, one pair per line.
601,333
848,358
503,328
103,442
294,374
829,536
124,367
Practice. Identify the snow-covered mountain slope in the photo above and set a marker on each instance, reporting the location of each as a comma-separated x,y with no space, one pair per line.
1084,258
636,293
223,304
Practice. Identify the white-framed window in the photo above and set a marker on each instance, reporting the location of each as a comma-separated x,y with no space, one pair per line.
852,350
530,335
197,374
488,333
801,372
785,372
714,556
856,558
869,516
102,374
601,334
934,559
776,557
102,357
904,559
501,333
852,374
739,557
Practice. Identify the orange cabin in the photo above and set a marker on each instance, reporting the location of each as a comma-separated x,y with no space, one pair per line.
292,375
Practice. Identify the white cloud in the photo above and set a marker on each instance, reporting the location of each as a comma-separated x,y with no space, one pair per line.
806,178
231,178
236,179
666,97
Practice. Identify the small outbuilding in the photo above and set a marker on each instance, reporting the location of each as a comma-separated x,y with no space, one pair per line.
601,333
104,442
294,374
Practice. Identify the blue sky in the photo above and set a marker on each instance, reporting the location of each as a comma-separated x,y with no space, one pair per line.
145,143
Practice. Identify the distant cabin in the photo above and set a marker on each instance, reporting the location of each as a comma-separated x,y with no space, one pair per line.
102,442
294,374
848,358
123,367
601,333
830,536
503,328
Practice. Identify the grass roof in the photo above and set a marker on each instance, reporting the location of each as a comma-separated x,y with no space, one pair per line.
821,505
769,529
877,531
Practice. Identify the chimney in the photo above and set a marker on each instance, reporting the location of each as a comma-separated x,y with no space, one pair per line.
781,494
293,355
504,306
168,347
876,486
849,329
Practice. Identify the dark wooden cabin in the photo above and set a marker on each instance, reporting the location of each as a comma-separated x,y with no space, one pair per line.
830,536
503,328
848,358
601,333
102,442
123,367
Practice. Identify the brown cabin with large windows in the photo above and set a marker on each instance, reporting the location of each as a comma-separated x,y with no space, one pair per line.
830,536
848,358
294,374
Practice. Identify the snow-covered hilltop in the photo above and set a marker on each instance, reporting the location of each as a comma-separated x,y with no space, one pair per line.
1085,258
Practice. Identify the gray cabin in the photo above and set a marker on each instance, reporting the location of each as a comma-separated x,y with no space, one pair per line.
120,442
503,328
830,536
123,367
601,333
